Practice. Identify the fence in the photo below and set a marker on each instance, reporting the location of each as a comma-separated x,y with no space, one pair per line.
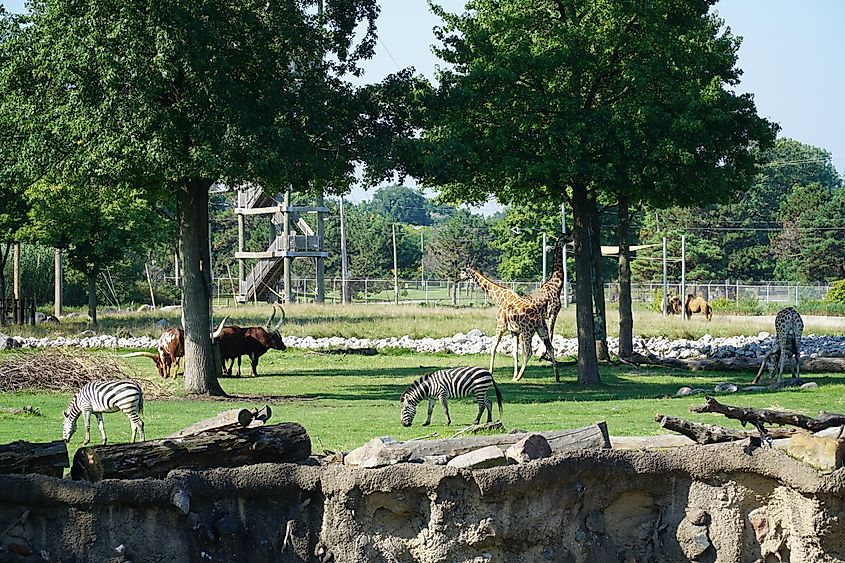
22,311
465,293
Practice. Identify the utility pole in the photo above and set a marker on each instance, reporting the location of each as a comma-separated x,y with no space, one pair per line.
58,280
395,268
16,271
665,284
344,272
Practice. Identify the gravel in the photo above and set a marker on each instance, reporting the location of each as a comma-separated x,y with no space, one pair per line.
476,342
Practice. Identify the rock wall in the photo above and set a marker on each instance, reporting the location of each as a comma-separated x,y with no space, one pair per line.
694,503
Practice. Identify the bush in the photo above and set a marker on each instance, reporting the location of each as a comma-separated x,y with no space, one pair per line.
836,293
747,305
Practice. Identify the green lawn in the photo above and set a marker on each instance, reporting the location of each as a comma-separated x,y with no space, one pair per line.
344,400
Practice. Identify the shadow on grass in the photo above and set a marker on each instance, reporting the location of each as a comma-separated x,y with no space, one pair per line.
537,386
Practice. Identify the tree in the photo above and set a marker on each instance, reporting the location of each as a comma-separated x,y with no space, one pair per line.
810,247
13,216
176,96
519,238
536,105
401,204
463,239
96,225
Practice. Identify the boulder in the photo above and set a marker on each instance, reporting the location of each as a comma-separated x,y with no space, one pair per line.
163,324
145,307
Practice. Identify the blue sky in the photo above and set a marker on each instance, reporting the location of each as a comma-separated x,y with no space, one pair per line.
791,56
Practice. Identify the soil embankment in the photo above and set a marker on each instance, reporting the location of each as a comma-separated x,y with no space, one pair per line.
691,503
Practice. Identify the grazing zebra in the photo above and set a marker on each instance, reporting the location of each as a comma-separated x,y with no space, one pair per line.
98,397
451,382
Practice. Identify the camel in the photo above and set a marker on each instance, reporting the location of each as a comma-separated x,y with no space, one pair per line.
697,304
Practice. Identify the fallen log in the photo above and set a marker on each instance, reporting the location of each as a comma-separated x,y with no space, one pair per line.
588,437
385,450
709,433
49,458
770,416
808,365
228,420
280,443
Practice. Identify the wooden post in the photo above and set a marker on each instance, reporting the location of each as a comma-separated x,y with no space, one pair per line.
149,282
544,257
286,247
58,283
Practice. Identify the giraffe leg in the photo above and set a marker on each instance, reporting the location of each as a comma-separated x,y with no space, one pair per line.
526,353
552,318
550,349
495,345
781,363
517,344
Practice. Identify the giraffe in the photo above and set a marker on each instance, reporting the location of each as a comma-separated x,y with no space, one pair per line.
549,292
522,316
788,330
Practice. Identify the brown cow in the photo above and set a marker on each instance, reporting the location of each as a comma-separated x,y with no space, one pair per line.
170,350
253,341
697,305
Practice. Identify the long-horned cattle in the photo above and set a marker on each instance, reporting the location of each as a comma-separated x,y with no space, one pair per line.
170,350
252,341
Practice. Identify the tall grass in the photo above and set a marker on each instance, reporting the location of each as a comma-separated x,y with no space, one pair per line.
383,321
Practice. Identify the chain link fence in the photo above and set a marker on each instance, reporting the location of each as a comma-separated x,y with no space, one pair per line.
467,293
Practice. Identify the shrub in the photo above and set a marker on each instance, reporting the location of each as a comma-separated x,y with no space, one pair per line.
836,293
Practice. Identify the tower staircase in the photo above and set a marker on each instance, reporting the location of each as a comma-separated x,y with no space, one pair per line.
297,239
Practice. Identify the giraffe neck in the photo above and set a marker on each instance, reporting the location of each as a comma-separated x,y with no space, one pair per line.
496,292
557,259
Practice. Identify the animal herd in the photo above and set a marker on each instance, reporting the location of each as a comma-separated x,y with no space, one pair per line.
522,316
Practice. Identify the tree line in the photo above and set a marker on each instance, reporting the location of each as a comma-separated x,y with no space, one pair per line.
114,129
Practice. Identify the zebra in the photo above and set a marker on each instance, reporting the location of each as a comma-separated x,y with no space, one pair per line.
451,382
98,397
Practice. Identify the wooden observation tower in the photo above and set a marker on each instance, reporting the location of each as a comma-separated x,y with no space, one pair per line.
291,236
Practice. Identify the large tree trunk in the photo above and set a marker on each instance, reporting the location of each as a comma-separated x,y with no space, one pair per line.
202,365
92,297
626,315
588,366
599,313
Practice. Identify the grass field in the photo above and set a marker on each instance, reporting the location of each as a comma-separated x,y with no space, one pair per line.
344,400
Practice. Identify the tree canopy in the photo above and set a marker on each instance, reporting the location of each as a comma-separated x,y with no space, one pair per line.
172,97
549,101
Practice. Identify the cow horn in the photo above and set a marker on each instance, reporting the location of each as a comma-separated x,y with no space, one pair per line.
216,334
270,320
137,354
281,319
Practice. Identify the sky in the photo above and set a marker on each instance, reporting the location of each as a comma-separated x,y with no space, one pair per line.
791,57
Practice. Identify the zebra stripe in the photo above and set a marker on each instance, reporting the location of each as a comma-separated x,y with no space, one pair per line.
97,397
446,383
